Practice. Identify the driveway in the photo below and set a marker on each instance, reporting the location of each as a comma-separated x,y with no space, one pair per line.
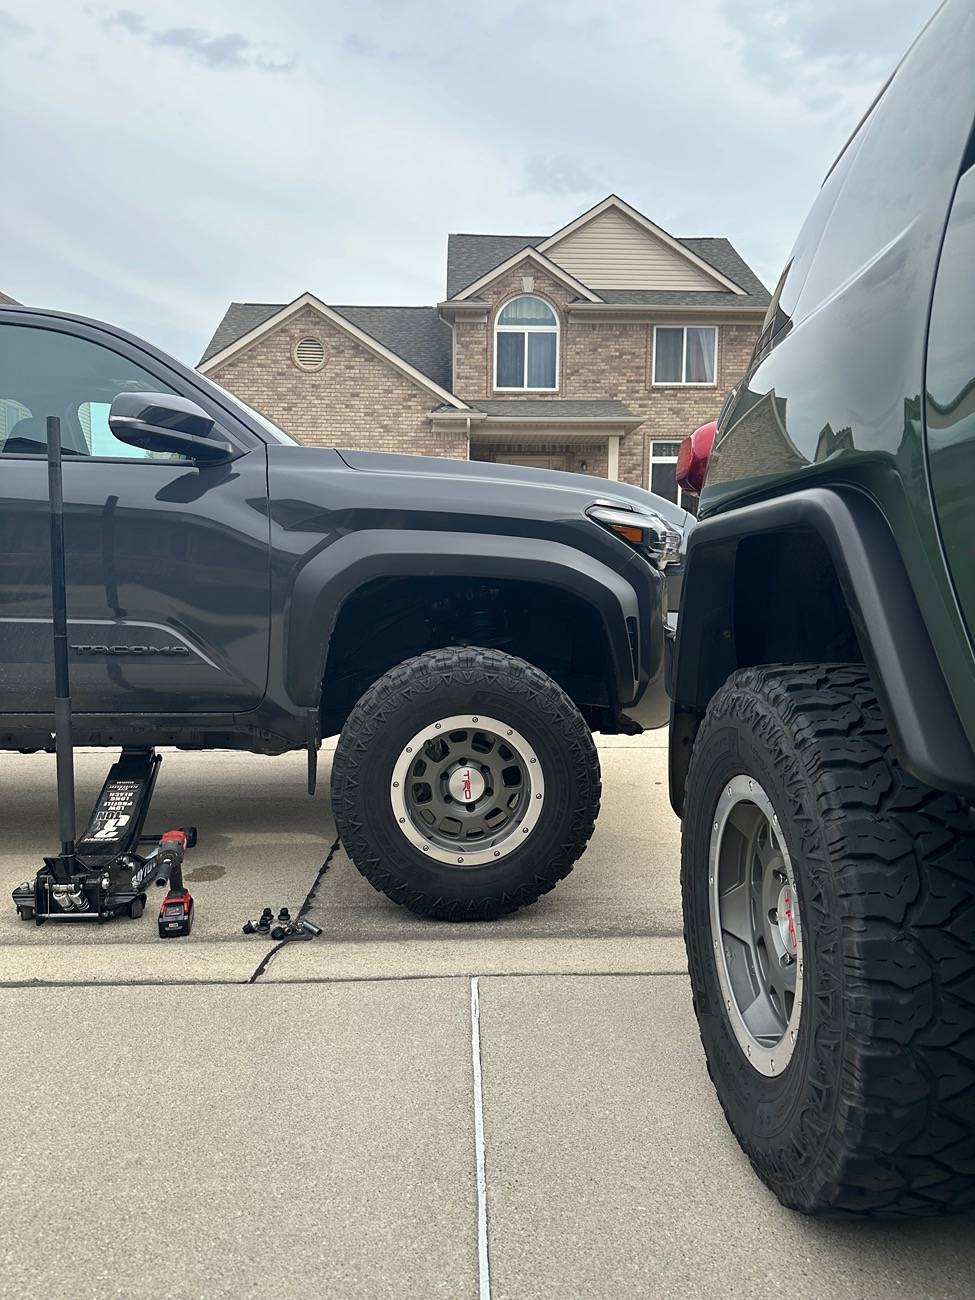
396,1108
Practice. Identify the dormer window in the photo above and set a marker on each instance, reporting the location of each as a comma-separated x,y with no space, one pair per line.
526,345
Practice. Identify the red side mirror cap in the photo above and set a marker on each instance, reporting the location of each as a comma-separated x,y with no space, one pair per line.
693,456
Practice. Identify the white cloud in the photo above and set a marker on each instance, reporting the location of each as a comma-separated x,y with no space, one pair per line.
160,169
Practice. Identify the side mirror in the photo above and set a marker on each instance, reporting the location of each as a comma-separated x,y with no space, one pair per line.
165,422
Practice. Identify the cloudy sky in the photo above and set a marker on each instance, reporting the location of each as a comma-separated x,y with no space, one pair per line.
163,159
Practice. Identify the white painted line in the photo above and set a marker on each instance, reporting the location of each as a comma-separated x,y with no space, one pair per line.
483,1265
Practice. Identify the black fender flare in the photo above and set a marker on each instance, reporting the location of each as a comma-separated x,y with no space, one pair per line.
333,573
926,732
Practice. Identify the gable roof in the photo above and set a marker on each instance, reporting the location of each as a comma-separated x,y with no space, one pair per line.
470,257
416,334
414,339
239,319
613,203
545,264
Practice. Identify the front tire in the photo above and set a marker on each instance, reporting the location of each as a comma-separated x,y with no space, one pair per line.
465,784
858,1095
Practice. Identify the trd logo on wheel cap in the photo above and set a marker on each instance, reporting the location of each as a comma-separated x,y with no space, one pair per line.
466,784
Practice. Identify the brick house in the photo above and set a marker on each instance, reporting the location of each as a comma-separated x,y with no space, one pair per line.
593,349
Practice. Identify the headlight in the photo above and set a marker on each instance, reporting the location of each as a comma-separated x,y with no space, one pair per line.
644,529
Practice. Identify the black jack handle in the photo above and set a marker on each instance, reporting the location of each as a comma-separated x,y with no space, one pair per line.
65,864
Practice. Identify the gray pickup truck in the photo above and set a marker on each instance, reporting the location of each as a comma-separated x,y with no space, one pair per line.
465,627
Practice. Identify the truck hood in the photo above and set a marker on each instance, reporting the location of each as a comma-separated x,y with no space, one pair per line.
572,487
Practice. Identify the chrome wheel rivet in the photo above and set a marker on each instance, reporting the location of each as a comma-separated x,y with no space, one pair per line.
715,825
460,859
426,848
538,796
751,785
409,749
509,731
497,853
438,726
402,820
395,785
533,760
473,719
771,1065
525,830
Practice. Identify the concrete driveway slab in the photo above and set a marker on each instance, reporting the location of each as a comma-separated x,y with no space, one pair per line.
619,910
262,841
229,1142
611,1172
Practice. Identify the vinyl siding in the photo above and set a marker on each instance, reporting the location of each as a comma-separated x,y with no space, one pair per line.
613,252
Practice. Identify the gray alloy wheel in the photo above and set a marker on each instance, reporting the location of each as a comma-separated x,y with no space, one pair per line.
467,790
755,927
465,784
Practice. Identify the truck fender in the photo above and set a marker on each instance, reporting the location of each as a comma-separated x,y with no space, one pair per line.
332,574
924,726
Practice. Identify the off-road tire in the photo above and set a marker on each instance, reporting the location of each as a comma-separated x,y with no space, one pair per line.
443,683
875,1112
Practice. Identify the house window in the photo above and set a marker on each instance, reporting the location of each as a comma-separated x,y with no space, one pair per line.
684,354
526,345
663,475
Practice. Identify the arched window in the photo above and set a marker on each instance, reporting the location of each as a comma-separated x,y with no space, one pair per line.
526,346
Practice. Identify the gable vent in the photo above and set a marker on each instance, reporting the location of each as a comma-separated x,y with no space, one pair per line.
309,353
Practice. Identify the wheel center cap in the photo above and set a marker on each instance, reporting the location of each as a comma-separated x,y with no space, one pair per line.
787,916
466,784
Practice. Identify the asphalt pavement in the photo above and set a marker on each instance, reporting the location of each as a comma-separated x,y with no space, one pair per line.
397,1108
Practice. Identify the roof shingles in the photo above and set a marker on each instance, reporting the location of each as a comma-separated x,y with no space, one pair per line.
421,338
471,256
417,334
549,408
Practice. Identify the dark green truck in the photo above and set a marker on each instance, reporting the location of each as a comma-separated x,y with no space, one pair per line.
823,716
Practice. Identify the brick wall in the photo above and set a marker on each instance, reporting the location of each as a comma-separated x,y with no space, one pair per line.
603,360
355,400
359,400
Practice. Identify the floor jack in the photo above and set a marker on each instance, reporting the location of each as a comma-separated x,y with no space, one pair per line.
103,874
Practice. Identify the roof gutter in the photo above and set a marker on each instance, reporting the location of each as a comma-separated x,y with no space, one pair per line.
657,310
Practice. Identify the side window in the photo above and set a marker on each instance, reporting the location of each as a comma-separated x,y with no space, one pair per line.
44,372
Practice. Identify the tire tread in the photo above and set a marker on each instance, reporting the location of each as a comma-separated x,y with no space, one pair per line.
425,675
896,861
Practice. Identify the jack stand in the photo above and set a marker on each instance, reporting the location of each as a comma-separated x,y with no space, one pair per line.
103,874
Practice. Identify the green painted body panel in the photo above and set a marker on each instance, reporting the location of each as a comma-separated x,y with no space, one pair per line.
835,392
950,396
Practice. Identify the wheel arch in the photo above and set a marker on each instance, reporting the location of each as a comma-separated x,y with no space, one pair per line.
812,577
335,578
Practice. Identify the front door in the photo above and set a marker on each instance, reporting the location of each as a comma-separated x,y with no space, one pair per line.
167,562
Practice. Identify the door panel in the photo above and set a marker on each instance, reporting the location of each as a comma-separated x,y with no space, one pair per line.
950,398
167,563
